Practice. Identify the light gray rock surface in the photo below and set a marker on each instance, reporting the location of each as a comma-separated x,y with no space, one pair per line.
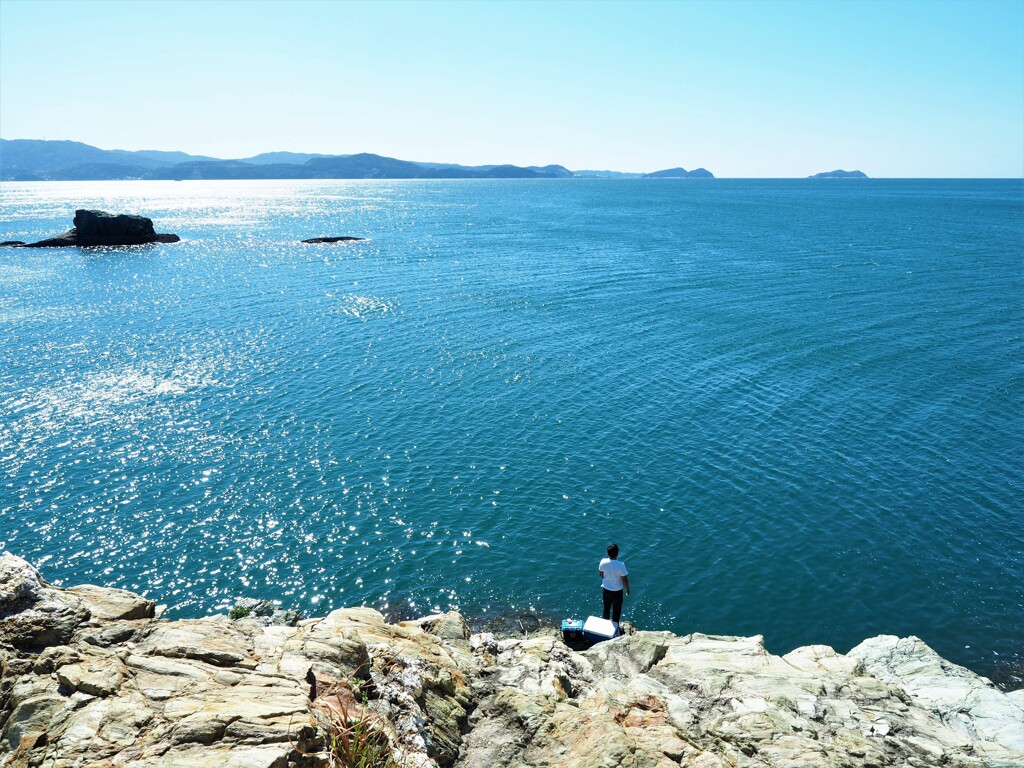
966,703
111,604
32,613
94,681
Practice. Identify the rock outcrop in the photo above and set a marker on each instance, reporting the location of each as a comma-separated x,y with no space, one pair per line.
101,228
91,678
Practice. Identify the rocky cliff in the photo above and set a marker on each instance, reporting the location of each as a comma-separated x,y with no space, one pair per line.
90,677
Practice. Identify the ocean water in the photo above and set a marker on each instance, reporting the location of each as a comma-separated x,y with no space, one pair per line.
795,405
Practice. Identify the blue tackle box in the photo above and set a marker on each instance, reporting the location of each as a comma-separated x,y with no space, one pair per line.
572,630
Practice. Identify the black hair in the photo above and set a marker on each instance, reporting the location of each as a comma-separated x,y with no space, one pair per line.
613,551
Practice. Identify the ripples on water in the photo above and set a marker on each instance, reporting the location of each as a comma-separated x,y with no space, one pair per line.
795,405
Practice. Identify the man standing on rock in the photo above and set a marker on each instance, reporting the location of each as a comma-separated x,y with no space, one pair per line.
614,579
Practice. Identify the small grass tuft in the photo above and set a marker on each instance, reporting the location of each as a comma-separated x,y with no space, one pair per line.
353,735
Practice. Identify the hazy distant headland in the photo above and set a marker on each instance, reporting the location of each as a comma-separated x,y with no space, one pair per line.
39,160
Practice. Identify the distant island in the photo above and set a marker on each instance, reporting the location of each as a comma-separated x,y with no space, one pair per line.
606,175
680,173
839,175
668,173
40,160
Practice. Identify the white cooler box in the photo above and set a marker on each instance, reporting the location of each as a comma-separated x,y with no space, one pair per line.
596,629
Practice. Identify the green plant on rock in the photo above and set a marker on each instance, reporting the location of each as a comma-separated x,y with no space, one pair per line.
354,736
239,612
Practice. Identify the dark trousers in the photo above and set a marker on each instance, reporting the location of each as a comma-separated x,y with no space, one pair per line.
612,604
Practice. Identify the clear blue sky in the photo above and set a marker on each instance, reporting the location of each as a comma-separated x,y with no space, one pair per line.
742,88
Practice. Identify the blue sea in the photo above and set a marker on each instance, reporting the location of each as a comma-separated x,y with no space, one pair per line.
796,405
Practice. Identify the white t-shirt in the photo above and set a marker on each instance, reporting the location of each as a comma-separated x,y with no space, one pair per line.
613,571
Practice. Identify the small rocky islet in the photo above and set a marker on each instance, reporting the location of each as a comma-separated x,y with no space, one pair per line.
93,676
99,228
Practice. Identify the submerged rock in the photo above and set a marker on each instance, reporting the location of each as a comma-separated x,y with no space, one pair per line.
108,684
341,239
94,228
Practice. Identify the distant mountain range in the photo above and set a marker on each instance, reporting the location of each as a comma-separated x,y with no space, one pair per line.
32,160
38,160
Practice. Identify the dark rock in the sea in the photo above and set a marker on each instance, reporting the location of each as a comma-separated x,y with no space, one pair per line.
11,243
342,239
102,228
840,174
60,241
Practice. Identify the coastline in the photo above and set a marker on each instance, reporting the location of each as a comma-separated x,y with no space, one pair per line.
91,676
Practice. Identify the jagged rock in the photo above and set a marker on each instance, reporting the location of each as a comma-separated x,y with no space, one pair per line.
211,692
341,239
323,652
207,757
30,705
447,626
265,612
966,702
632,658
113,604
101,228
221,644
107,633
250,606
286,618
100,675
32,613
656,699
